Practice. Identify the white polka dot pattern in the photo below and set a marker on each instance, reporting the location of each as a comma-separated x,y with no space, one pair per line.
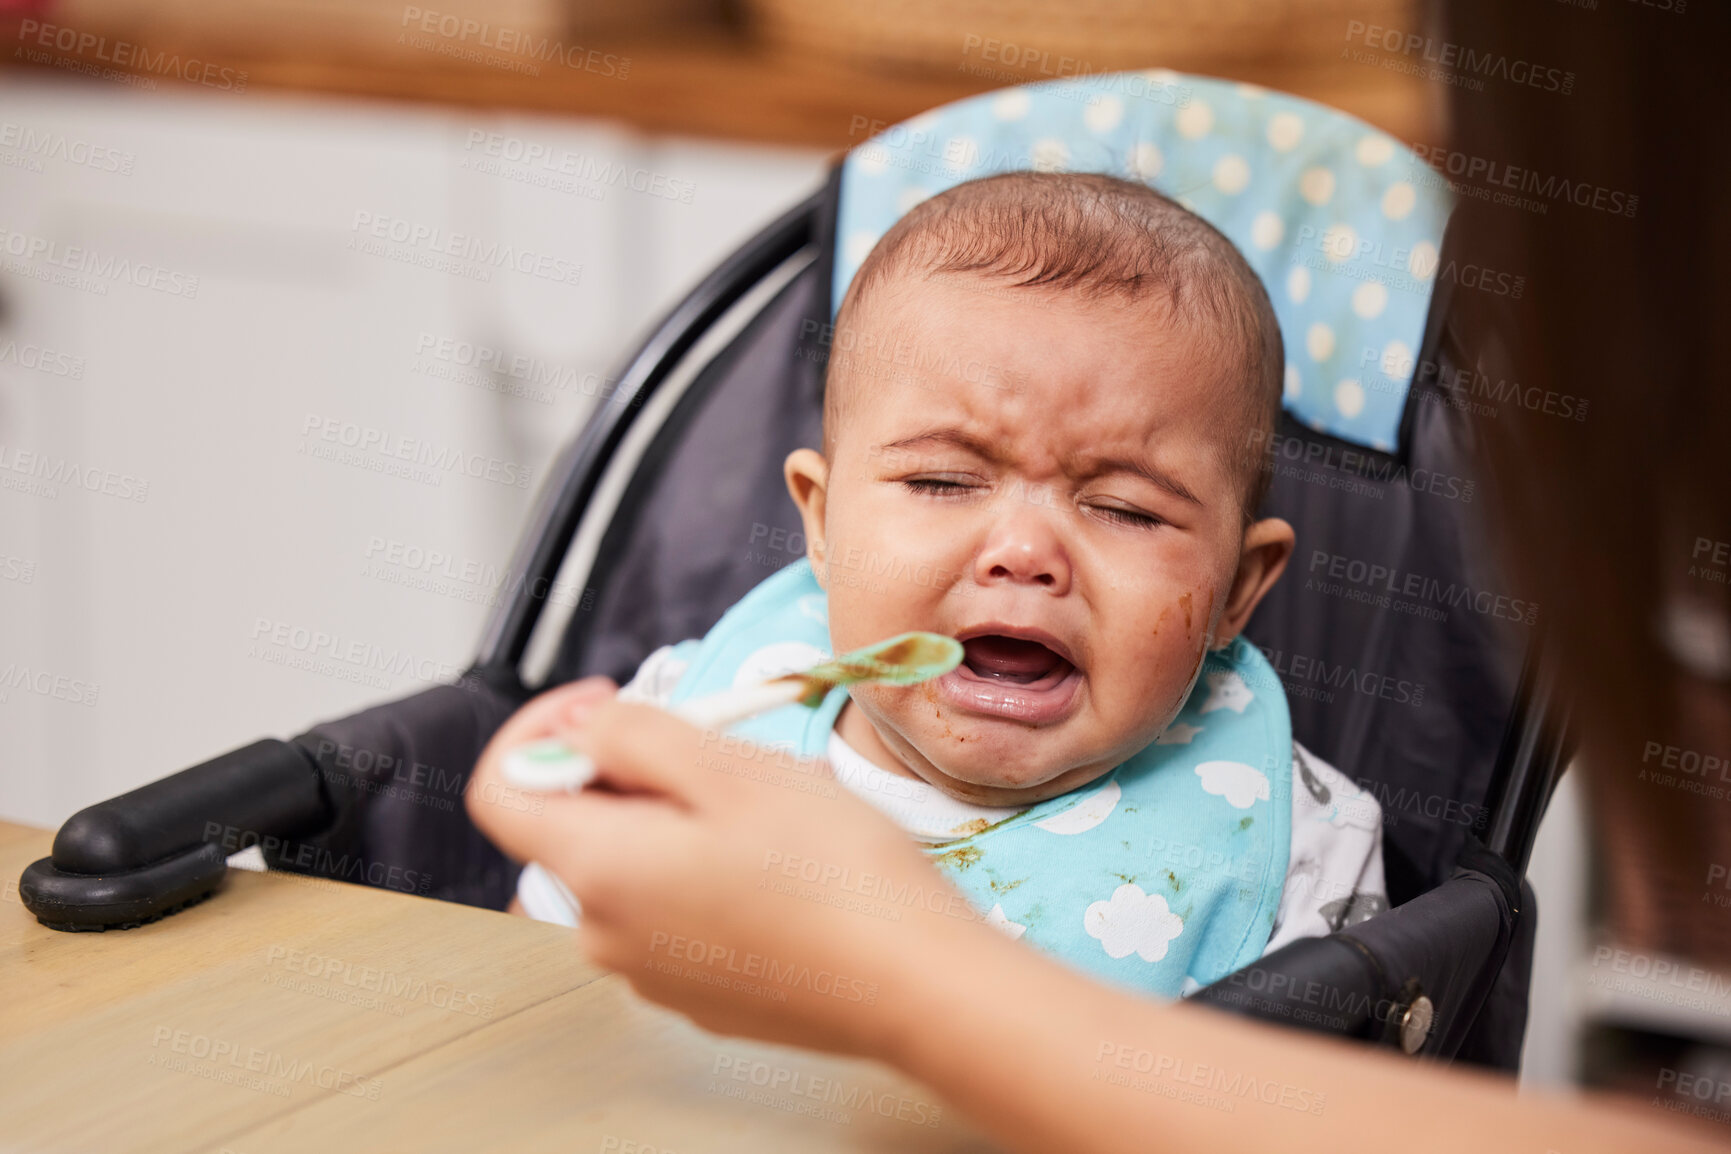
1231,175
1330,212
1369,299
1266,230
1285,130
1104,113
1012,104
1316,186
1398,200
1319,342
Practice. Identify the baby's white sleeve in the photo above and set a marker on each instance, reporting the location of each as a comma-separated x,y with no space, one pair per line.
543,895
1334,878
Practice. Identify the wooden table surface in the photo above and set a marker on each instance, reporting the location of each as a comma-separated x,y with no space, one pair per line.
288,1014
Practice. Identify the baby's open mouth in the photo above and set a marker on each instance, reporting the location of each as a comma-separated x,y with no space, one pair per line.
1018,679
1012,659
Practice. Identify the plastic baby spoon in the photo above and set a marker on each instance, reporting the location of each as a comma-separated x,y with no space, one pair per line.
907,659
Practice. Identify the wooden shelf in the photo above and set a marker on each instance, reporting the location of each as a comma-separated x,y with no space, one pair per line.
718,84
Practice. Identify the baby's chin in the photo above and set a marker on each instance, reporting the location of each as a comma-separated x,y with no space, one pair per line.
990,762
973,770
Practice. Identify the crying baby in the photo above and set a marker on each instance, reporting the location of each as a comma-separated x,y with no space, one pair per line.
1110,774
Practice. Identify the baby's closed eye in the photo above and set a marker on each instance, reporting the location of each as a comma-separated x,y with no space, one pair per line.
1123,516
936,486
1115,513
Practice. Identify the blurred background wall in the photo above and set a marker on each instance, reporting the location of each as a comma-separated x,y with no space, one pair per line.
228,313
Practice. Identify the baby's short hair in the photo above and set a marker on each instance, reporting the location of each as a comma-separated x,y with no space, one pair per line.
1096,235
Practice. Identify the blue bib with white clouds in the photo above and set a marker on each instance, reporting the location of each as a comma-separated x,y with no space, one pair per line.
1164,874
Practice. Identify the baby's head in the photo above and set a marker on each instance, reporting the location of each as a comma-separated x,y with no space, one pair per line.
1036,426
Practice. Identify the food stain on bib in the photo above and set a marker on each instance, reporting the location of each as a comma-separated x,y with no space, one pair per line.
961,857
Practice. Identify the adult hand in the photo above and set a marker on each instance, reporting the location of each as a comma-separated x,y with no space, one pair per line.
741,886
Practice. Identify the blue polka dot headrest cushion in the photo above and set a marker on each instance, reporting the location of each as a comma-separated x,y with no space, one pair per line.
1343,224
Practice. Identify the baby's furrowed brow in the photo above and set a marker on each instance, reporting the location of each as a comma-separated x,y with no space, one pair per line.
949,435
1153,474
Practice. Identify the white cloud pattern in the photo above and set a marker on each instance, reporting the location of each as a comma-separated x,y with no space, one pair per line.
1087,813
1179,734
1241,785
999,920
1226,691
1133,922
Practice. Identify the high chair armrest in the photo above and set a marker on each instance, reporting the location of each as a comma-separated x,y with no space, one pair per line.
375,797
1415,977
134,858
268,787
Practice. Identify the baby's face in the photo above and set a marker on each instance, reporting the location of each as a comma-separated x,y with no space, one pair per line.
1058,484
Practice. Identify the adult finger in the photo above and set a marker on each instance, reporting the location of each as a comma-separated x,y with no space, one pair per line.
577,835
507,813
557,708
642,748
547,715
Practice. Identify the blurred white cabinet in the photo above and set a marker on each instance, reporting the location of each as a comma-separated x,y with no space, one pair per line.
278,379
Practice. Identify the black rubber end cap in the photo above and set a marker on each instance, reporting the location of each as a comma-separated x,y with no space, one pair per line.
121,901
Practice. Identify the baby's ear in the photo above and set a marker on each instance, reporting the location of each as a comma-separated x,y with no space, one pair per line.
807,475
1268,546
